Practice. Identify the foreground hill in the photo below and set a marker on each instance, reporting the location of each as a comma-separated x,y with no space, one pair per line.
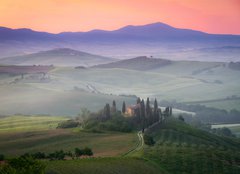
180,148
58,57
138,63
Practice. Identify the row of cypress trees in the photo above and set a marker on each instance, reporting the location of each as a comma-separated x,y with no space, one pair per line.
145,114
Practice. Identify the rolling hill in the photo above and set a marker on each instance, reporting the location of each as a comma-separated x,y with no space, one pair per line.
138,63
57,57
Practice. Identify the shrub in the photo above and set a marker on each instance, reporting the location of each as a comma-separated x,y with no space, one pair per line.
23,165
148,140
2,157
68,124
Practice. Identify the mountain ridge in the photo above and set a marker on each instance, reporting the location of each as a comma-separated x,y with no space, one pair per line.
157,39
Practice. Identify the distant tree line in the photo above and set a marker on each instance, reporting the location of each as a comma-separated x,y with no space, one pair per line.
31,164
205,114
234,65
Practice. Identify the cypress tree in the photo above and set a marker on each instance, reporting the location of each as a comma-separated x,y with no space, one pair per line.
155,109
107,111
114,108
148,113
138,100
138,110
123,107
142,114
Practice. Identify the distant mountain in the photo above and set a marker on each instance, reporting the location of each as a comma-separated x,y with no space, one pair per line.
58,57
138,63
24,34
155,32
157,39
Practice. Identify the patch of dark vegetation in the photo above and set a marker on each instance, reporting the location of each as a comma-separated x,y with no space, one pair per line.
2,157
234,65
22,165
205,114
80,67
68,124
223,132
148,140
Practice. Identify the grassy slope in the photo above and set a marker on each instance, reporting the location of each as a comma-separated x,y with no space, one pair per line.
180,148
104,166
28,123
38,134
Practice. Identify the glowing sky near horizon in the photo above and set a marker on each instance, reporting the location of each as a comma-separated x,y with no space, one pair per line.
212,16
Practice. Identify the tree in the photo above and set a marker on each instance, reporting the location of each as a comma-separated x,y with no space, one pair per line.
148,113
180,117
148,140
83,115
2,157
24,165
155,111
87,151
148,108
170,111
142,114
114,107
78,152
107,111
123,107
138,100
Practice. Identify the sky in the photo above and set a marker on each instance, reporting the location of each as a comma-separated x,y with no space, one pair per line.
211,16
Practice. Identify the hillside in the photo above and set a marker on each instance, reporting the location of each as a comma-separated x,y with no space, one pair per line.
57,57
138,63
180,148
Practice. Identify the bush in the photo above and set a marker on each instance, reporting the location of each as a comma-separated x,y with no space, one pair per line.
57,155
23,165
116,123
148,140
2,157
39,155
68,124
87,151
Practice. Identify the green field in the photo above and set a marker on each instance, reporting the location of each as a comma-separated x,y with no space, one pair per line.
104,166
23,134
19,123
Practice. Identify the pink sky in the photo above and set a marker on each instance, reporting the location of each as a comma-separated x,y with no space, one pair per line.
211,16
